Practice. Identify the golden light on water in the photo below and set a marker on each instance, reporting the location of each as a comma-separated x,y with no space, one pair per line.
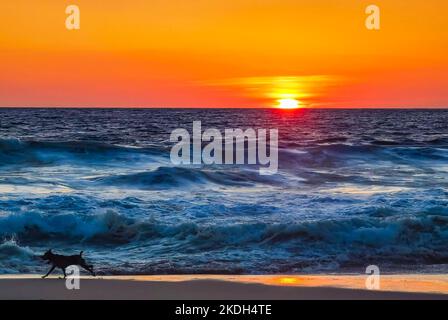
288,280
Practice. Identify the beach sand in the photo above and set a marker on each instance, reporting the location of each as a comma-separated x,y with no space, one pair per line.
215,287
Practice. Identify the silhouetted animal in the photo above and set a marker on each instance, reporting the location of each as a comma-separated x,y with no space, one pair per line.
63,262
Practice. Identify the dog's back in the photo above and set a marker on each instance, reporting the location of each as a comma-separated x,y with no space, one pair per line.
64,261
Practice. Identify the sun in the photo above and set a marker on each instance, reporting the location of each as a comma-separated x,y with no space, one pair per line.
288,104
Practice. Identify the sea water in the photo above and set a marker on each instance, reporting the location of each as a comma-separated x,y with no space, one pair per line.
353,188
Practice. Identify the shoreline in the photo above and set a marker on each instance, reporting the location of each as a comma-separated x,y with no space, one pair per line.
225,287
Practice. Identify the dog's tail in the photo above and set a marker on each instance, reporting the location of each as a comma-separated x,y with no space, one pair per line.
80,254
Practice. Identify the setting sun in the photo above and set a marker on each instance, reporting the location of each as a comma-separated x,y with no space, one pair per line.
288,104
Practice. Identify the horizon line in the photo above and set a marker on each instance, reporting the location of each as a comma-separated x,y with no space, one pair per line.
202,107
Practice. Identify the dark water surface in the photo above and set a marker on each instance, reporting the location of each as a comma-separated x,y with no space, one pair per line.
354,187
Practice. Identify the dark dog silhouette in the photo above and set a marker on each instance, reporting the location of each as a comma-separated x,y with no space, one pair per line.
60,261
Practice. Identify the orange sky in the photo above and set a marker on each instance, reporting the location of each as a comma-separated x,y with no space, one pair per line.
209,53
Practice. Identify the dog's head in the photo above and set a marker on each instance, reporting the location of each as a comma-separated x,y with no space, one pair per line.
47,255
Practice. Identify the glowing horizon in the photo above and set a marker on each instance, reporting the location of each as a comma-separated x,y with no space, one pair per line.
215,54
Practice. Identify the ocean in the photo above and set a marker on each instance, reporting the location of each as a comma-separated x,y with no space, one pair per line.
353,188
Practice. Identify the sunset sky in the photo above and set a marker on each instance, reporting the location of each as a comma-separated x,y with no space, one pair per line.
209,53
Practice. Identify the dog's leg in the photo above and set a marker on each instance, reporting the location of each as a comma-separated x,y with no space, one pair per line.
88,268
51,270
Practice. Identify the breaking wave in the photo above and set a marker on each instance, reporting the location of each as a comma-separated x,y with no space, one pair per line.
351,241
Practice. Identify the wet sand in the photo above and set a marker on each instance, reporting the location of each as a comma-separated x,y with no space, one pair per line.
215,287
